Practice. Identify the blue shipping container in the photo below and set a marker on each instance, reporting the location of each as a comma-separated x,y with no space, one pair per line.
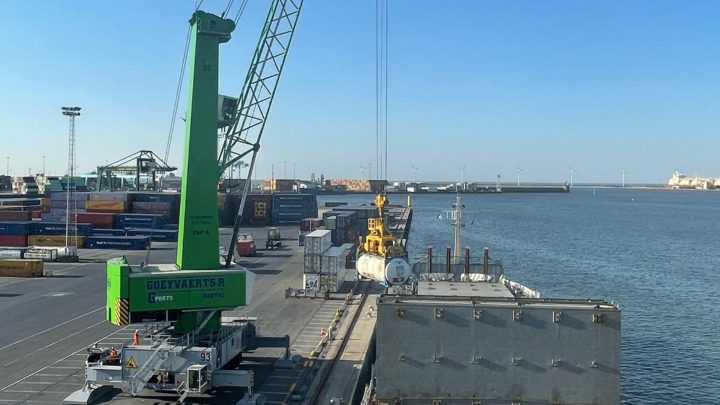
108,232
58,228
160,235
139,221
155,197
118,242
172,227
15,227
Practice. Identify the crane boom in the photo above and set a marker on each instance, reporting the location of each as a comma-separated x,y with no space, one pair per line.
242,136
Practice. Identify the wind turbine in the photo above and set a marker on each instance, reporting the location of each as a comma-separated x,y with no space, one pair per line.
518,175
624,172
572,171
462,177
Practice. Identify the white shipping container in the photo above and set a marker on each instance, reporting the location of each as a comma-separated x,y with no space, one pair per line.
334,260
312,264
318,241
10,254
42,254
333,282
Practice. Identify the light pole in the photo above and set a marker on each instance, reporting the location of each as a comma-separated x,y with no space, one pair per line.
71,112
43,172
623,177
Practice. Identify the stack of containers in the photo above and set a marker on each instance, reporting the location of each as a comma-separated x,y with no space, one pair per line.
14,233
343,225
107,202
146,225
316,243
308,225
333,270
165,204
291,208
53,234
58,204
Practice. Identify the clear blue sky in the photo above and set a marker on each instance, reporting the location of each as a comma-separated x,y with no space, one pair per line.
544,85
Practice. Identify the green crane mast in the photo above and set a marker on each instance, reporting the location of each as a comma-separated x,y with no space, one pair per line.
198,243
194,289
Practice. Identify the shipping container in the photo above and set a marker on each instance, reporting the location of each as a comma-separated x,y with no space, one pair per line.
108,232
155,197
312,263
173,227
98,220
47,255
167,209
62,204
257,210
159,235
6,253
331,222
118,242
21,268
20,202
58,228
310,224
144,221
109,196
55,240
317,242
15,215
15,227
62,196
106,206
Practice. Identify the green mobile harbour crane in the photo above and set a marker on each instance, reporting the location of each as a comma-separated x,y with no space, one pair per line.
191,342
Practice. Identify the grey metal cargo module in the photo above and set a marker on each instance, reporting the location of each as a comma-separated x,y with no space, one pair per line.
493,349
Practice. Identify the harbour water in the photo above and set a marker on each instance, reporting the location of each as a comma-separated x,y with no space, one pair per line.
656,253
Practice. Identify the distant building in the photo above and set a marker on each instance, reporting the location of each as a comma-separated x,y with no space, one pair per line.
680,181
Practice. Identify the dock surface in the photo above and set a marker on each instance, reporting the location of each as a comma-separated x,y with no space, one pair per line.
49,322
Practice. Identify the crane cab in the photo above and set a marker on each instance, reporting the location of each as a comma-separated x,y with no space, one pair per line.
197,378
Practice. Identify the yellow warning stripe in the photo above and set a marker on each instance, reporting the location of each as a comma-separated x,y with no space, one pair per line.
122,312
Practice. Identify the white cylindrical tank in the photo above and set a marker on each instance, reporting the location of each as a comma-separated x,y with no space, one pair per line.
395,271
